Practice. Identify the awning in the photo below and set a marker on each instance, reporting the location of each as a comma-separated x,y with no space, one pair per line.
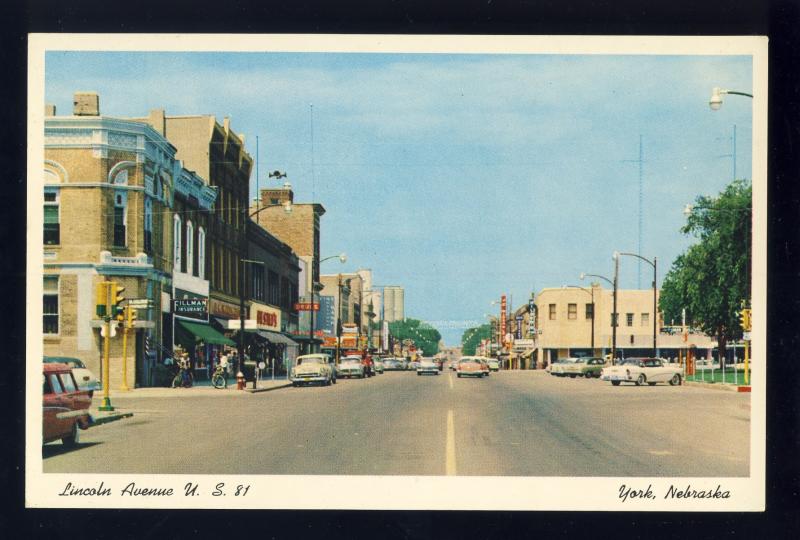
526,354
205,332
275,337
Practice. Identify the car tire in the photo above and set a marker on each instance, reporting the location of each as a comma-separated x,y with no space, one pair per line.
73,438
651,383
572,376
615,383
641,379
418,373
675,380
458,375
294,384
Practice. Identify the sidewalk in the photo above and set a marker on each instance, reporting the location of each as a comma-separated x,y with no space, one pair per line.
196,390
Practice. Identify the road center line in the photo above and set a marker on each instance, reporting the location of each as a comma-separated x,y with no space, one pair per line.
450,378
450,449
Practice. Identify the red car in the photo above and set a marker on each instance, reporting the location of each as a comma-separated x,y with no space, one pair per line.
470,366
65,407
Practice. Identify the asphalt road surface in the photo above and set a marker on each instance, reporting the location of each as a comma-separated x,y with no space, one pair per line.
511,423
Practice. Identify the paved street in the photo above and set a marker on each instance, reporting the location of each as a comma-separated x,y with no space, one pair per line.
512,423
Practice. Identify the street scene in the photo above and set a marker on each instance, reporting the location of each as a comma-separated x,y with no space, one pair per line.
397,264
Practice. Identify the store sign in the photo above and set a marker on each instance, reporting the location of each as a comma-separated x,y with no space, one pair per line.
306,306
519,327
223,309
190,305
267,318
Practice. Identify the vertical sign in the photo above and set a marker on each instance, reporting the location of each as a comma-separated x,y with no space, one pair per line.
502,318
519,327
531,317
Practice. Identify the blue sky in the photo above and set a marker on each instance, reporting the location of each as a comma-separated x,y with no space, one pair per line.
460,177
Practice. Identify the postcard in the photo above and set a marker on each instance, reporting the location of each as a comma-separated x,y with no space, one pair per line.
396,272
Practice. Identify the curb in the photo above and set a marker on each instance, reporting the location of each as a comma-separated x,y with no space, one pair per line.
717,386
269,388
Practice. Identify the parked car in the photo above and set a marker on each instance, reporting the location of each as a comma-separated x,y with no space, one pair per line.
378,365
494,365
584,367
65,407
351,366
427,365
643,370
559,367
313,368
470,366
85,378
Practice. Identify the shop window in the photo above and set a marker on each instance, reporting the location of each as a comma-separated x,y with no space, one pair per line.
120,204
552,312
629,319
572,311
52,225
589,311
645,319
50,305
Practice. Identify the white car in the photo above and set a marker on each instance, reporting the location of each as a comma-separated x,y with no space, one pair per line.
311,368
427,365
85,378
559,367
643,370
350,366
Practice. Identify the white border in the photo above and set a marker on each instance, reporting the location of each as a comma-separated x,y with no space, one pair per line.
410,492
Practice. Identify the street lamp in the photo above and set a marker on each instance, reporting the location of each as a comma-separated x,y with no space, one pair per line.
343,258
654,264
614,308
716,97
591,293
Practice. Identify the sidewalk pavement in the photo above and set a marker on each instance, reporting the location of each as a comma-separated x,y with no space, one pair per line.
717,386
197,390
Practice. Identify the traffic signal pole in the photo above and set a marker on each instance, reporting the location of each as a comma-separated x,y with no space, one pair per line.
110,290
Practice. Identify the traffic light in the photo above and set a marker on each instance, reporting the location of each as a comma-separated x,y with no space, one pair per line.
131,316
744,320
101,299
116,299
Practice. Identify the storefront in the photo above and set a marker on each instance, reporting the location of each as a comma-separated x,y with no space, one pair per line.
272,346
193,333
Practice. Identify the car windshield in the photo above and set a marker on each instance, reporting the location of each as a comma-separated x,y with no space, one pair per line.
309,360
351,359
632,361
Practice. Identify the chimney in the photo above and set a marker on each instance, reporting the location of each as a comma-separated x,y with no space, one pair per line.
158,121
49,109
86,104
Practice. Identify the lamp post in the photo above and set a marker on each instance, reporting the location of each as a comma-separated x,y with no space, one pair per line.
614,308
716,97
343,258
591,293
654,264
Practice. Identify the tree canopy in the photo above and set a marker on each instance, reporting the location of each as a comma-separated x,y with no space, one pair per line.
473,336
425,336
711,280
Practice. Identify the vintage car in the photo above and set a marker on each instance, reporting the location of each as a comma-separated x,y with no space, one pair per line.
313,368
351,366
427,365
85,378
393,364
378,365
559,367
494,365
470,366
583,367
484,365
643,370
65,406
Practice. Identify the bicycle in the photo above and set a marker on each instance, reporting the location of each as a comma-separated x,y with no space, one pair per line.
218,379
183,378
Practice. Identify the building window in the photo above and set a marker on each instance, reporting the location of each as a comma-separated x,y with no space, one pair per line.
201,253
274,201
645,319
50,305
629,319
273,287
590,311
552,312
176,242
257,289
120,204
52,227
189,248
572,311
148,224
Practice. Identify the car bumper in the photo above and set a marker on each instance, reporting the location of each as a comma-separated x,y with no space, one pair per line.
309,378
471,373
427,370
622,378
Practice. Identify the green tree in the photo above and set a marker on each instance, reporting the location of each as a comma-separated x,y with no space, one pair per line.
711,279
472,336
425,336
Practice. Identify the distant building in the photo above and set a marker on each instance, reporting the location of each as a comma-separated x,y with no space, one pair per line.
393,303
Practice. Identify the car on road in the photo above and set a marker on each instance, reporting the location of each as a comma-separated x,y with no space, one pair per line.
452,364
85,378
313,368
494,365
584,367
427,365
413,365
351,366
470,366
484,365
559,366
65,407
643,370
378,365
392,364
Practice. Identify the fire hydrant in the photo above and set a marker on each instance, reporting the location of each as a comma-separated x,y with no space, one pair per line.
240,381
